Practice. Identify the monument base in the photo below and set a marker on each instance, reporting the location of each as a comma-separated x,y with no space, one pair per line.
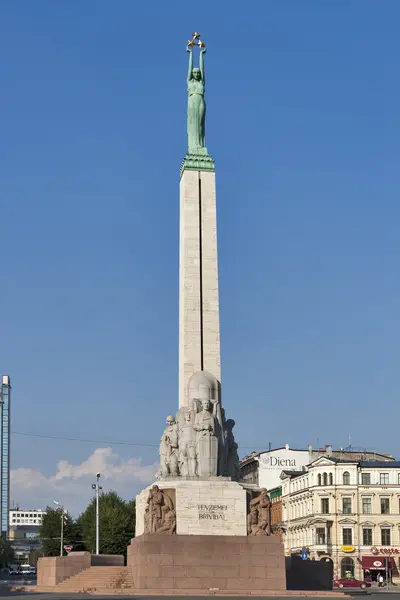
207,562
203,506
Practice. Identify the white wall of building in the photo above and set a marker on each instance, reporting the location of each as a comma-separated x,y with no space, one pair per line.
25,517
272,463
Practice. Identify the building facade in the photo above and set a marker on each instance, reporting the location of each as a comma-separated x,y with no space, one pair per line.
5,405
276,511
264,468
346,511
24,527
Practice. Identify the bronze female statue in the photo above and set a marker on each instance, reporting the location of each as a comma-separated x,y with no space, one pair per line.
196,111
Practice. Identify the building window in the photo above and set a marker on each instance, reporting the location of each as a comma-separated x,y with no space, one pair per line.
347,536
325,506
330,479
367,537
384,478
346,506
346,478
385,508
320,536
385,537
347,567
319,479
325,479
367,506
365,478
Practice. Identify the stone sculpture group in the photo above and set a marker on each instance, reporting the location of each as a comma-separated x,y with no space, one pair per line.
199,442
160,516
259,517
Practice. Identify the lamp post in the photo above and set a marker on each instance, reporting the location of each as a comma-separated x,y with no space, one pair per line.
62,527
97,487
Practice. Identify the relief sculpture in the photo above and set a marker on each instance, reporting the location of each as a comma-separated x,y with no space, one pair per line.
160,516
259,517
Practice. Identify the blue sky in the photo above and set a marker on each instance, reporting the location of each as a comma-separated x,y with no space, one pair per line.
303,122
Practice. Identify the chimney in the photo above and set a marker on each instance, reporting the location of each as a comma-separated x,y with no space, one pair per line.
310,453
328,450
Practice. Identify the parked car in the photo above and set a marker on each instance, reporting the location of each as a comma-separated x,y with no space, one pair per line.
26,570
12,571
351,582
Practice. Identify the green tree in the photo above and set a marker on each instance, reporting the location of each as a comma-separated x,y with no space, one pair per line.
117,525
50,531
7,556
34,556
132,510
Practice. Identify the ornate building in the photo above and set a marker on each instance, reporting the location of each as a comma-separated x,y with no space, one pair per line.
347,511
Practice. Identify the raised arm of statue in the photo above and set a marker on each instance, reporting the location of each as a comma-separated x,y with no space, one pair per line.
202,71
189,77
217,411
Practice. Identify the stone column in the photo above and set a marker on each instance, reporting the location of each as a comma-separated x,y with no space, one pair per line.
199,337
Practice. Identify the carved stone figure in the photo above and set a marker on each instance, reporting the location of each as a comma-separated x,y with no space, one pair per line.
196,110
155,503
169,524
232,460
187,446
253,527
168,451
207,442
262,505
160,516
147,520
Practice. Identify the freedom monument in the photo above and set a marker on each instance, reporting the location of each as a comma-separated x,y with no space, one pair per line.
197,526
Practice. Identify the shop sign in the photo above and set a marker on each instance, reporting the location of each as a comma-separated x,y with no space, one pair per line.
347,548
376,550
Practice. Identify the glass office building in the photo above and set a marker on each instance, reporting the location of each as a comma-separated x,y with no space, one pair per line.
5,453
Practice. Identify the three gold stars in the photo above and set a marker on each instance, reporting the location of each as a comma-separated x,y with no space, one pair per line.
196,41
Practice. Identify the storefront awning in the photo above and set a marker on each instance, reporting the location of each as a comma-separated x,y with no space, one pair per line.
377,563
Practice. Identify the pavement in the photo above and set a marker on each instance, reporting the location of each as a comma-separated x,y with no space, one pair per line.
372,595
52,596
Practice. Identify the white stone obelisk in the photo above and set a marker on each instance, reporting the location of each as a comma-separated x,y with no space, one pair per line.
199,336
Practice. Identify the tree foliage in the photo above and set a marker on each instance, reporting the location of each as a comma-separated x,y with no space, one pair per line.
50,531
34,556
117,524
6,553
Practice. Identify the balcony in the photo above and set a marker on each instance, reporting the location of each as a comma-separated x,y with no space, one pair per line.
323,544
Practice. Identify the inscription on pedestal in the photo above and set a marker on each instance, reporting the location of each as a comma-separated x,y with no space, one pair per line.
212,512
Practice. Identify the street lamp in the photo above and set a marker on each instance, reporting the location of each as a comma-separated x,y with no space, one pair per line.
97,487
63,513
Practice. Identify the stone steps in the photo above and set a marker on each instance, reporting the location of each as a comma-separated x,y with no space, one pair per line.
95,578
218,593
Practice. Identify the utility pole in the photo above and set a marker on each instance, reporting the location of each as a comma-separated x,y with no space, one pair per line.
97,487
62,533
62,527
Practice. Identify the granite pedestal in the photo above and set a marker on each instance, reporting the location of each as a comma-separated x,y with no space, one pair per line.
207,562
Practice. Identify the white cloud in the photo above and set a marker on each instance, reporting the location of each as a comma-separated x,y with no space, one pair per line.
70,484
